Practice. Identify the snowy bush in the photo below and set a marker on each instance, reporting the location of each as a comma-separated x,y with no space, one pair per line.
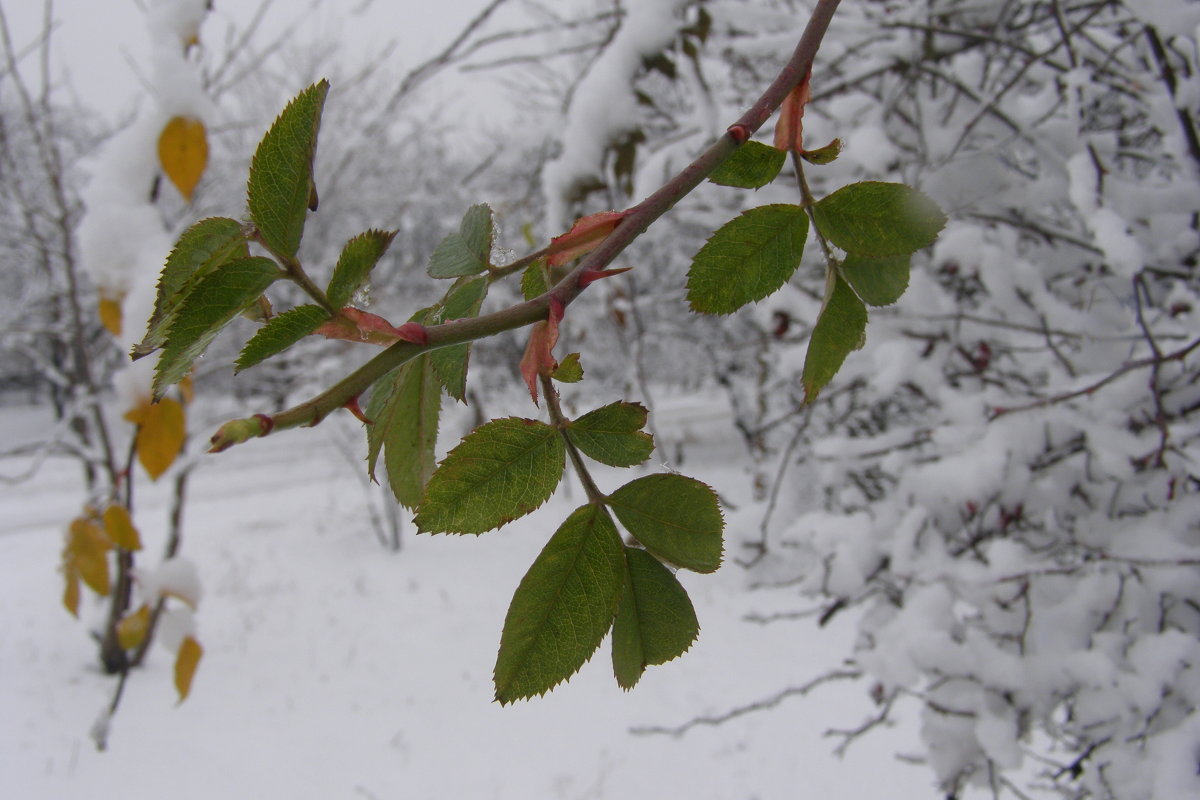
1004,478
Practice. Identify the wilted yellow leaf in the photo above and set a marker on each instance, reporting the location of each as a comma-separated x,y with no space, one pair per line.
183,153
71,590
185,666
110,314
119,527
161,436
131,630
87,554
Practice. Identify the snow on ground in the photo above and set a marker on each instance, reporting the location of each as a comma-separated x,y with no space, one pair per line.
336,669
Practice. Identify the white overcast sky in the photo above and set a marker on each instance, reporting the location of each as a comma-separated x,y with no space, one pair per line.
97,43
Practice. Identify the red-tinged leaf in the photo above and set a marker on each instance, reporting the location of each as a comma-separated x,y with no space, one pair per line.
413,332
361,326
539,357
585,235
186,662
789,130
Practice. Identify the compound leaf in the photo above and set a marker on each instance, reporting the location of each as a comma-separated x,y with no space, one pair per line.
751,166
533,280
613,434
747,258
281,332
877,281
201,249
877,219
840,330
464,299
358,257
675,517
210,306
281,188
655,622
466,251
405,409
569,370
562,608
502,470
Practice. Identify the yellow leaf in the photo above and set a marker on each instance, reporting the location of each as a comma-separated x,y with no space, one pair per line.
110,314
161,436
131,630
87,554
71,591
119,527
183,153
136,414
185,666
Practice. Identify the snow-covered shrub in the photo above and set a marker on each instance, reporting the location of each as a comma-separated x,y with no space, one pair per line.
1004,479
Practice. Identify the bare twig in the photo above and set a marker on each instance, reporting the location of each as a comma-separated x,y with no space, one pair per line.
750,708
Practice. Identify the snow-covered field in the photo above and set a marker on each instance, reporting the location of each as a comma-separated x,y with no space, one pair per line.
336,669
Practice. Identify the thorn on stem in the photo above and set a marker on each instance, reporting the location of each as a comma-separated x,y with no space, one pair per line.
354,408
590,276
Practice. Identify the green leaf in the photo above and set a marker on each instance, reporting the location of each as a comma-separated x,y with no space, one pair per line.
655,622
358,258
569,369
281,188
562,608
502,470
747,258
533,280
751,166
209,307
464,299
201,249
466,251
840,330
404,410
613,434
879,219
823,155
878,281
280,333
675,517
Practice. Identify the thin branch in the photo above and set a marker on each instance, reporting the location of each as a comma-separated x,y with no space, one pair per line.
1125,369
560,421
749,708
635,221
